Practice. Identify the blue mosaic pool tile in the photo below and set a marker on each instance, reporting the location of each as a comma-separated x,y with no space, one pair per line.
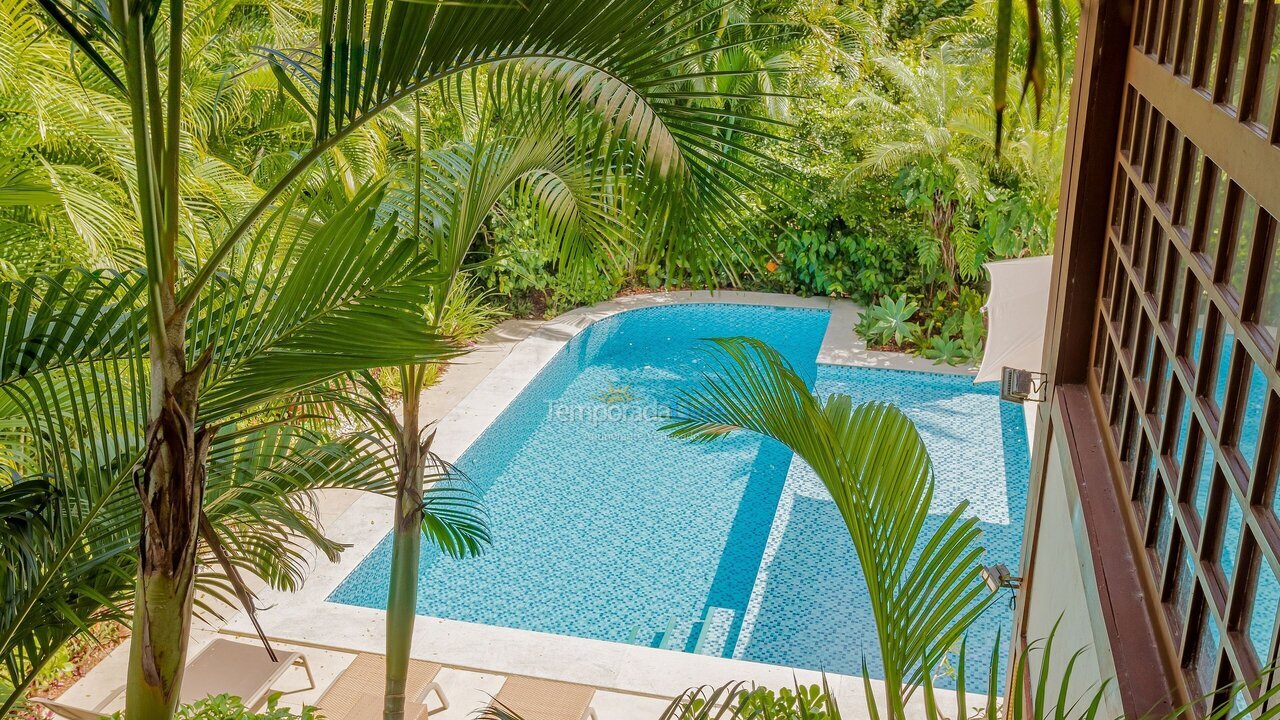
803,612
606,528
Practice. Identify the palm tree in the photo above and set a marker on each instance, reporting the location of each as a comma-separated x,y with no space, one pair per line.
67,138
1060,701
73,418
923,111
583,179
620,56
1033,134
874,464
1024,46
66,167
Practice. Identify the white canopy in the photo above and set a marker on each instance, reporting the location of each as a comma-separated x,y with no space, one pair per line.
1017,312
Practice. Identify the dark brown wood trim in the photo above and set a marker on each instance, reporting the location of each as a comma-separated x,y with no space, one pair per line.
1170,198
1145,676
1096,103
1243,153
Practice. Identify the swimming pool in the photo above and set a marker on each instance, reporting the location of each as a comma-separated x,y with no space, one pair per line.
606,528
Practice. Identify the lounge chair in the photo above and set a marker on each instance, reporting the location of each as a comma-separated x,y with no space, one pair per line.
222,667
535,699
369,707
357,693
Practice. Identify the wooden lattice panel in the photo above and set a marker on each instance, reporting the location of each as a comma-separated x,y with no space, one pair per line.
1185,341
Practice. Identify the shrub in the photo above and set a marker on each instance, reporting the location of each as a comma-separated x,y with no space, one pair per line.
229,707
517,264
952,328
889,322
842,264
739,701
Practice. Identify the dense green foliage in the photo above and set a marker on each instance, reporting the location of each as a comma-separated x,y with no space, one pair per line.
227,707
896,192
894,188
202,217
902,197
173,397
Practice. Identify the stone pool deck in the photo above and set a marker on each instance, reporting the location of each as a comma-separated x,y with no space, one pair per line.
634,682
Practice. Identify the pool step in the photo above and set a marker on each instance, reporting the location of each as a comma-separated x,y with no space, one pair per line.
712,632
707,635
664,639
667,638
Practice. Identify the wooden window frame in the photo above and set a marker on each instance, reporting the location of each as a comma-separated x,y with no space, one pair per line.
1165,137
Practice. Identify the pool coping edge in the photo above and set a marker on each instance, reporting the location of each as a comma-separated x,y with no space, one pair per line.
306,617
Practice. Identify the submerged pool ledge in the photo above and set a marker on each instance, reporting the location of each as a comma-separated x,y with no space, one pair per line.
307,618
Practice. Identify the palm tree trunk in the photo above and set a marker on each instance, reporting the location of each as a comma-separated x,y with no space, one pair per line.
171,488
170,480
944,211
406,549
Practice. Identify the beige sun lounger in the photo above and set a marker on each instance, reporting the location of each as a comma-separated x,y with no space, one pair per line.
222,667
357,693
369,707
535,699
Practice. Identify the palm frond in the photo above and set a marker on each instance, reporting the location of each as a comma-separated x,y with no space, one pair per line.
69,372
303,316
453,515
627,69
924,586
259,495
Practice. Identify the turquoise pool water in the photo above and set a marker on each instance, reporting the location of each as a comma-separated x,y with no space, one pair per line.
606,528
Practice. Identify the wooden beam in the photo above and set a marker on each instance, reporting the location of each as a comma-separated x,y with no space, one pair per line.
1092,140
1147,673
1145,676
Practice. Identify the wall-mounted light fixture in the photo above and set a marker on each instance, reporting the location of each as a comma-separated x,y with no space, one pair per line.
998,576
1022,385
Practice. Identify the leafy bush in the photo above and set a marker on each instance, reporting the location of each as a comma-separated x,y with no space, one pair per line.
952,327
229,707
806,701
947,328
945,350
742,701
516,264
842,264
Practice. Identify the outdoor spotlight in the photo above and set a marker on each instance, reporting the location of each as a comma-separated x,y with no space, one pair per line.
998,576
1022,385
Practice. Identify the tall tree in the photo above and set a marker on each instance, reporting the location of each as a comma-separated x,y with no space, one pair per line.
622,57
591,190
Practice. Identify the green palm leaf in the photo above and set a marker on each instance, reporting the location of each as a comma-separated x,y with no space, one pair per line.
68,371
306,313
249,326
73,368
875,466
453,516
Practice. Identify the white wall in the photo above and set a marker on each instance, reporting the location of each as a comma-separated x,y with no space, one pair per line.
1056,589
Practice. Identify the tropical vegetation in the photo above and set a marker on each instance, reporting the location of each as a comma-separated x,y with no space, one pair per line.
228,707
875,466
177,415
924,584
880,110
210,209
